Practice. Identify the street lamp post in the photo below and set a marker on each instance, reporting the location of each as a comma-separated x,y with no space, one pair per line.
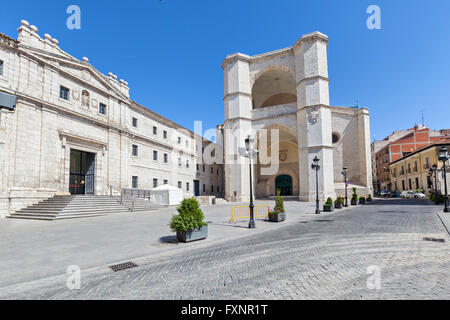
249,142
444,157
344,172
434,168
315,166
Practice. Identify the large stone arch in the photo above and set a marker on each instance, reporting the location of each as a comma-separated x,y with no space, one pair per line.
272,86
287,160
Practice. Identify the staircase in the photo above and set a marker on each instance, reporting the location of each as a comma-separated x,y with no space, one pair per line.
69,207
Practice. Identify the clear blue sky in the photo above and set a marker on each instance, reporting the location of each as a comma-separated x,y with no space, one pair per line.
170,51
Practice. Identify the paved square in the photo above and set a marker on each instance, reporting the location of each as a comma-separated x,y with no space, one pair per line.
309,257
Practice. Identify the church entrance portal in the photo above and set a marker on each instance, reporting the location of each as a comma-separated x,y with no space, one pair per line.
82,170
284,183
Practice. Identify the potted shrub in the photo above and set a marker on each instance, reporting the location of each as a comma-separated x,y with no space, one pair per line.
339,203
188,223
362,200
328,206
369,198
354,201
278,214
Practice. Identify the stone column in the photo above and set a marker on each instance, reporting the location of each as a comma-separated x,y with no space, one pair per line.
314,116
237,126
364,149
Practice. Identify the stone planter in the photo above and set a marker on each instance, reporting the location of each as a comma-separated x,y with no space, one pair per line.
354,202
362,201
193,235
338,205
277,217
328,209
369,199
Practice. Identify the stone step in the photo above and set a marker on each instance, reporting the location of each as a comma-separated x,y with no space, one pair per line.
55,211
69,207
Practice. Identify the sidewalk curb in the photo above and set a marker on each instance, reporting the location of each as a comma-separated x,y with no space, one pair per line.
445,219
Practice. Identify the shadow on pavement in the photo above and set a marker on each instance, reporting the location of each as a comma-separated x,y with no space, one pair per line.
169,239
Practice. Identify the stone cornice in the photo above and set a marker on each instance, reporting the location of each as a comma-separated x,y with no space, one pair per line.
313,36
315,106
74,136
235,57
318,77
234,119
150,142
228,95
118,95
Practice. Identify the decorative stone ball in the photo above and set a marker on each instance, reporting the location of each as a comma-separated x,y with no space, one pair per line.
34,28
25,23
48,37
85,59
55,41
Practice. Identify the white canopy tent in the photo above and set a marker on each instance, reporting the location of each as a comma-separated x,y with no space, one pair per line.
166,195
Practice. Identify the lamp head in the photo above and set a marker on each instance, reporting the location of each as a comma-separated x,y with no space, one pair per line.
249,143
443,154
316,160
434,167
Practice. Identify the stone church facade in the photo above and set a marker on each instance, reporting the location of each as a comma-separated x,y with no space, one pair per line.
286,93
74,130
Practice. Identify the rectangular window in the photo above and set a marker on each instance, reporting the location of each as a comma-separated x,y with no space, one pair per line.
212,170
134,182
179,185
155,183
166,158
155,130
64,93
218,189
1,68
203,168
135,150
179,162
165,134
155,155
102,108
166,181
204,188
179,140
212,189
217,171
198,167
187,163
187,143
134,122
187,186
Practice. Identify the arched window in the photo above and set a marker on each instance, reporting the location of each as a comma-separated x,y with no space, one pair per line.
85,98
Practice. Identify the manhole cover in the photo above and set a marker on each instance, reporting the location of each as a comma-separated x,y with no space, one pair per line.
433,239
123,266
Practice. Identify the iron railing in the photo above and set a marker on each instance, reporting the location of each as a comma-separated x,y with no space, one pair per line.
128,196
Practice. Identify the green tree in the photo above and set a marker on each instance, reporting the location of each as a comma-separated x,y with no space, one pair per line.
279,202
189,217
